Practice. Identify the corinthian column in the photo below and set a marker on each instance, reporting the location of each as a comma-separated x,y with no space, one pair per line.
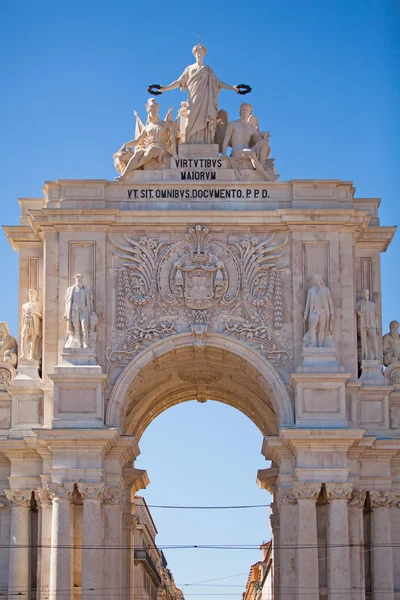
275,528
129,523
60,555
92,541
43,500
5,525
338,540
18,570
356,541
306,495
113,500
382,556
288,543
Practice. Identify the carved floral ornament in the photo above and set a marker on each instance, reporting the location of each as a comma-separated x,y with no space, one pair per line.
199,284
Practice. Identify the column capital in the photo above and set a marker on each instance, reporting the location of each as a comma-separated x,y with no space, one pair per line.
129,522
60,491
286,496
381,499
92,490
19,498
357,498
43,497
338,491
114,496
305,490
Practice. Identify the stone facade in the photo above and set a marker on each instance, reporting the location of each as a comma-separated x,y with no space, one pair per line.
197,275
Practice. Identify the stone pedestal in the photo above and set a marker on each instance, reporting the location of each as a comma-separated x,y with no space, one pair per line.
319,360
198,150
320,399
28,369
79,391
77,357
371,373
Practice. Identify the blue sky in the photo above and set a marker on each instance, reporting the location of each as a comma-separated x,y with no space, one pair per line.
326,84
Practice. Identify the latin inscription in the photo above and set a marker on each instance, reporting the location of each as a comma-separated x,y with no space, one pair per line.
218,194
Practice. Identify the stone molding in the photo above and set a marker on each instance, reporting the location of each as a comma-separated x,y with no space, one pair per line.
286,496
92,491
381,499
60,491
129,522
19,498
339,491
357,498
304,490
274,516
43,497
114,496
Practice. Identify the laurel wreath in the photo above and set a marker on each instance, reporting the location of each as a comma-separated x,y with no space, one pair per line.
243,89
154,89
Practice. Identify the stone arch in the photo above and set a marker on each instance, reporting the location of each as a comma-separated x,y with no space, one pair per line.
261,394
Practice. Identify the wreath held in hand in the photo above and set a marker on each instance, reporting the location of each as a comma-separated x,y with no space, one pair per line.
243,89
154,89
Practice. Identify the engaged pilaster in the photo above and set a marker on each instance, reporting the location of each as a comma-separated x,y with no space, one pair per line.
44,503
356,541
60,555
92,535
382,555
275,528
18,571
306,495
114,499
288,542
338,540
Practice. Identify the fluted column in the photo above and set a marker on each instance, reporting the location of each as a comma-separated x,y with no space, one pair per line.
288,543
356,541
92,540
275,528
114,498
338,541
5,526
306,495
43,500
18,570
382,556
60,554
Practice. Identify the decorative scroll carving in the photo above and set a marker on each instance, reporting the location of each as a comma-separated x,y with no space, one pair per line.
43,497
339,491
381,499
92,491
202,377
357,498
19,498
7,375
60,491
286,496
114,496
306,490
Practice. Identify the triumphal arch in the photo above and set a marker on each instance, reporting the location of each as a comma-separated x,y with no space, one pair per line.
198,274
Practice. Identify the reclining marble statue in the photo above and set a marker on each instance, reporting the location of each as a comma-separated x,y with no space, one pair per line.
203,87
154,145
80,316
368,326
31,334
318,313
248,143
391,344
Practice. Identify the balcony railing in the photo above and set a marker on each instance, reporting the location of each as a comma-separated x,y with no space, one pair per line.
143,555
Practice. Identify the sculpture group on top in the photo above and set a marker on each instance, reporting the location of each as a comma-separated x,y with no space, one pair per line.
199,121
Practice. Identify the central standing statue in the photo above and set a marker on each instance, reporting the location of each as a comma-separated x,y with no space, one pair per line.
203,87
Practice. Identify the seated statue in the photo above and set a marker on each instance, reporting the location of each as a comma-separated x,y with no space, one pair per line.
391,344
154,145
248,144
8,346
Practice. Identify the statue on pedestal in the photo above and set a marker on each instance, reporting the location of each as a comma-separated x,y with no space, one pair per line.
248,143
155,143
203,87
319,312
368,327
80,316
31,334
8,346
391,344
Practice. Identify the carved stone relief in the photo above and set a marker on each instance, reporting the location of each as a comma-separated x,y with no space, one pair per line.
199,284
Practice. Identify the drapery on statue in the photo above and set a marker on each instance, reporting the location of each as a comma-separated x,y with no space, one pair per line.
391,344
319,312
80,316
8,346
203,87
31,334
155,143
368,326
248,144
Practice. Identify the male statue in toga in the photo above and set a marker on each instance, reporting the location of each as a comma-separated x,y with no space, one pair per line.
368,326
319,311
203,87
78,310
